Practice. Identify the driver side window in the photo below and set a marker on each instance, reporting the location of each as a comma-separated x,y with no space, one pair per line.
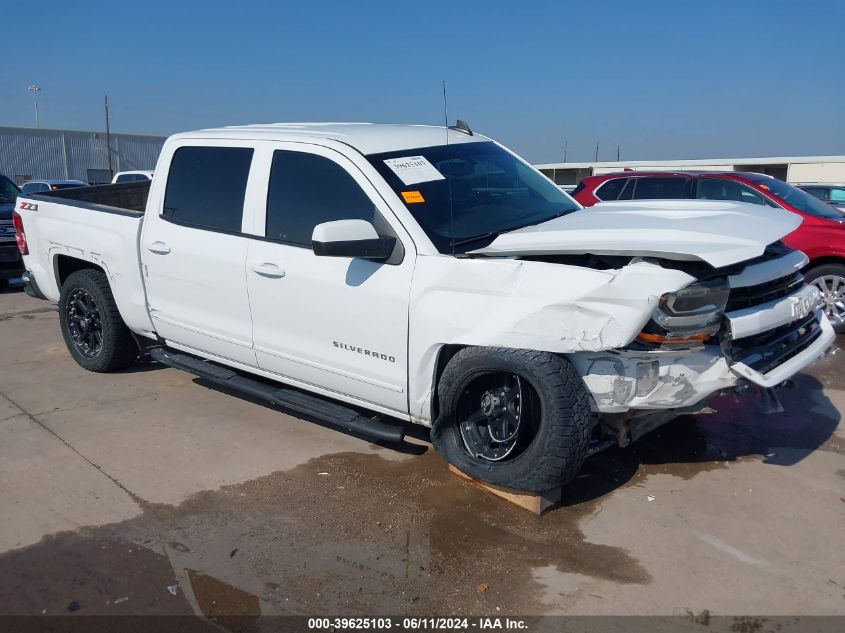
307,190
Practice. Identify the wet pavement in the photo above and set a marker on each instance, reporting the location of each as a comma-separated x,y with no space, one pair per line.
146,492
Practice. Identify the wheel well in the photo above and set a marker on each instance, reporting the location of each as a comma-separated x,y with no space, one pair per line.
443,357
64,265
821,261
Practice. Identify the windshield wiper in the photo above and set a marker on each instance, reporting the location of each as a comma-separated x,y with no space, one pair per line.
493,234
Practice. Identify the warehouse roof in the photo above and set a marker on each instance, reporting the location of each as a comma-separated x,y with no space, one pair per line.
775,160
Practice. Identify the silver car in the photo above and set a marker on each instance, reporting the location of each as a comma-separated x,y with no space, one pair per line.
40,186
834,195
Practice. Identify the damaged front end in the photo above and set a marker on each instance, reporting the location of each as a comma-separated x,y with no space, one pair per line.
653,333
747,332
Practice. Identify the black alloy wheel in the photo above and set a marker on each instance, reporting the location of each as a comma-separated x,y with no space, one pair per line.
84,323
494,416
515,418
94,332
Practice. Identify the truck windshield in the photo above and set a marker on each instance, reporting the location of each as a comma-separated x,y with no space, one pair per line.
793,196
463,195
8,191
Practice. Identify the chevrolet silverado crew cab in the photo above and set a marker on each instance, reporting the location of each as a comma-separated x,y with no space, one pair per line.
367,274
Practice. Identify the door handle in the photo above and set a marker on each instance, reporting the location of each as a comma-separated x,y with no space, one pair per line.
158,247
268,269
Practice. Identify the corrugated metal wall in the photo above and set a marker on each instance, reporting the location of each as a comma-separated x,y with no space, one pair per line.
70,153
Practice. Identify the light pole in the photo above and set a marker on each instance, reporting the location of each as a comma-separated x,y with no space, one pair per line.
35,90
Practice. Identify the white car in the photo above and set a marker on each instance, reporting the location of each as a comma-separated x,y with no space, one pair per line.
132,176
430,275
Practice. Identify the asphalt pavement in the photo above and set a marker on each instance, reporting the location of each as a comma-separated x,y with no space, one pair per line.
150,492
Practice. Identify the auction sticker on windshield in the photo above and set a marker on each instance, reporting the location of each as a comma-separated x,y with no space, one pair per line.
413,169
412,197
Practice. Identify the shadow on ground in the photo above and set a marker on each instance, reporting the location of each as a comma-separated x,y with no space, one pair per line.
737,431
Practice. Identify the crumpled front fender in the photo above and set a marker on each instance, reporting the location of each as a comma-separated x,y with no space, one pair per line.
525,305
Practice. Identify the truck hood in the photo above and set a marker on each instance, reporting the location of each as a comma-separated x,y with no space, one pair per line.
6,210
719,233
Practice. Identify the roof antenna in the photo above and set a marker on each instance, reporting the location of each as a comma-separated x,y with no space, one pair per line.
461,126
445,113
448,157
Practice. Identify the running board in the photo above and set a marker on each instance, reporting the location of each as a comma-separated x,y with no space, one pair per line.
329,412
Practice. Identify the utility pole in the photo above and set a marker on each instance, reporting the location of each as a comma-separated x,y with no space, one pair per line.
617,153
597,151
34,89
565,147
108,139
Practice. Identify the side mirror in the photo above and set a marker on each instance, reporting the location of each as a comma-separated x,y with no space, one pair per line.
351,238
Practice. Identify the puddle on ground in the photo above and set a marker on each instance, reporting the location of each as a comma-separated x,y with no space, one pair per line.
224,604
371,536
359,534
102,573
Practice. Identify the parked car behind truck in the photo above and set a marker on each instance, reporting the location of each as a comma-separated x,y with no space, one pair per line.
834,195
424,274
132,176
40,186
821,234
11,263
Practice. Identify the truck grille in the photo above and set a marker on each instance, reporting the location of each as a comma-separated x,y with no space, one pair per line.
751,296
763,352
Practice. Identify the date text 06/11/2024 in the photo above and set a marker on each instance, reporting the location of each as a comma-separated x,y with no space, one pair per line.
417,624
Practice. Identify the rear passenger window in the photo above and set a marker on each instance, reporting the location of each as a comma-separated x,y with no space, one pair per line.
307,190
206,187
659,188
611,189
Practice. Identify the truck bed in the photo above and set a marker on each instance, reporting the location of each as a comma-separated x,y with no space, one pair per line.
126,199
69,229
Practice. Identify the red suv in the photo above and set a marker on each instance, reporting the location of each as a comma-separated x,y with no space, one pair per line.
821,235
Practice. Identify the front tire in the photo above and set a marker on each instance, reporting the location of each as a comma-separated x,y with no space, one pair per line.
95,334
830,280
519,419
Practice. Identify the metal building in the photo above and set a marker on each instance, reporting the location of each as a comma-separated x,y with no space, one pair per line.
792,169
32,153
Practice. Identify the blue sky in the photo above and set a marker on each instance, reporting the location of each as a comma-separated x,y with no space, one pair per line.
661,79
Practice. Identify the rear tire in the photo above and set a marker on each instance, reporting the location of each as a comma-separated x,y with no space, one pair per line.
830,280
94,332
536,435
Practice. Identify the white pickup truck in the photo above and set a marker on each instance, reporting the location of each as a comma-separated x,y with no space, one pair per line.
369,274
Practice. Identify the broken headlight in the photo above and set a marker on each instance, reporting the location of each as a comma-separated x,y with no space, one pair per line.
693,313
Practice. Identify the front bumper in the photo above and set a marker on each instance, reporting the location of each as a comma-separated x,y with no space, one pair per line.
793,365
624,380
